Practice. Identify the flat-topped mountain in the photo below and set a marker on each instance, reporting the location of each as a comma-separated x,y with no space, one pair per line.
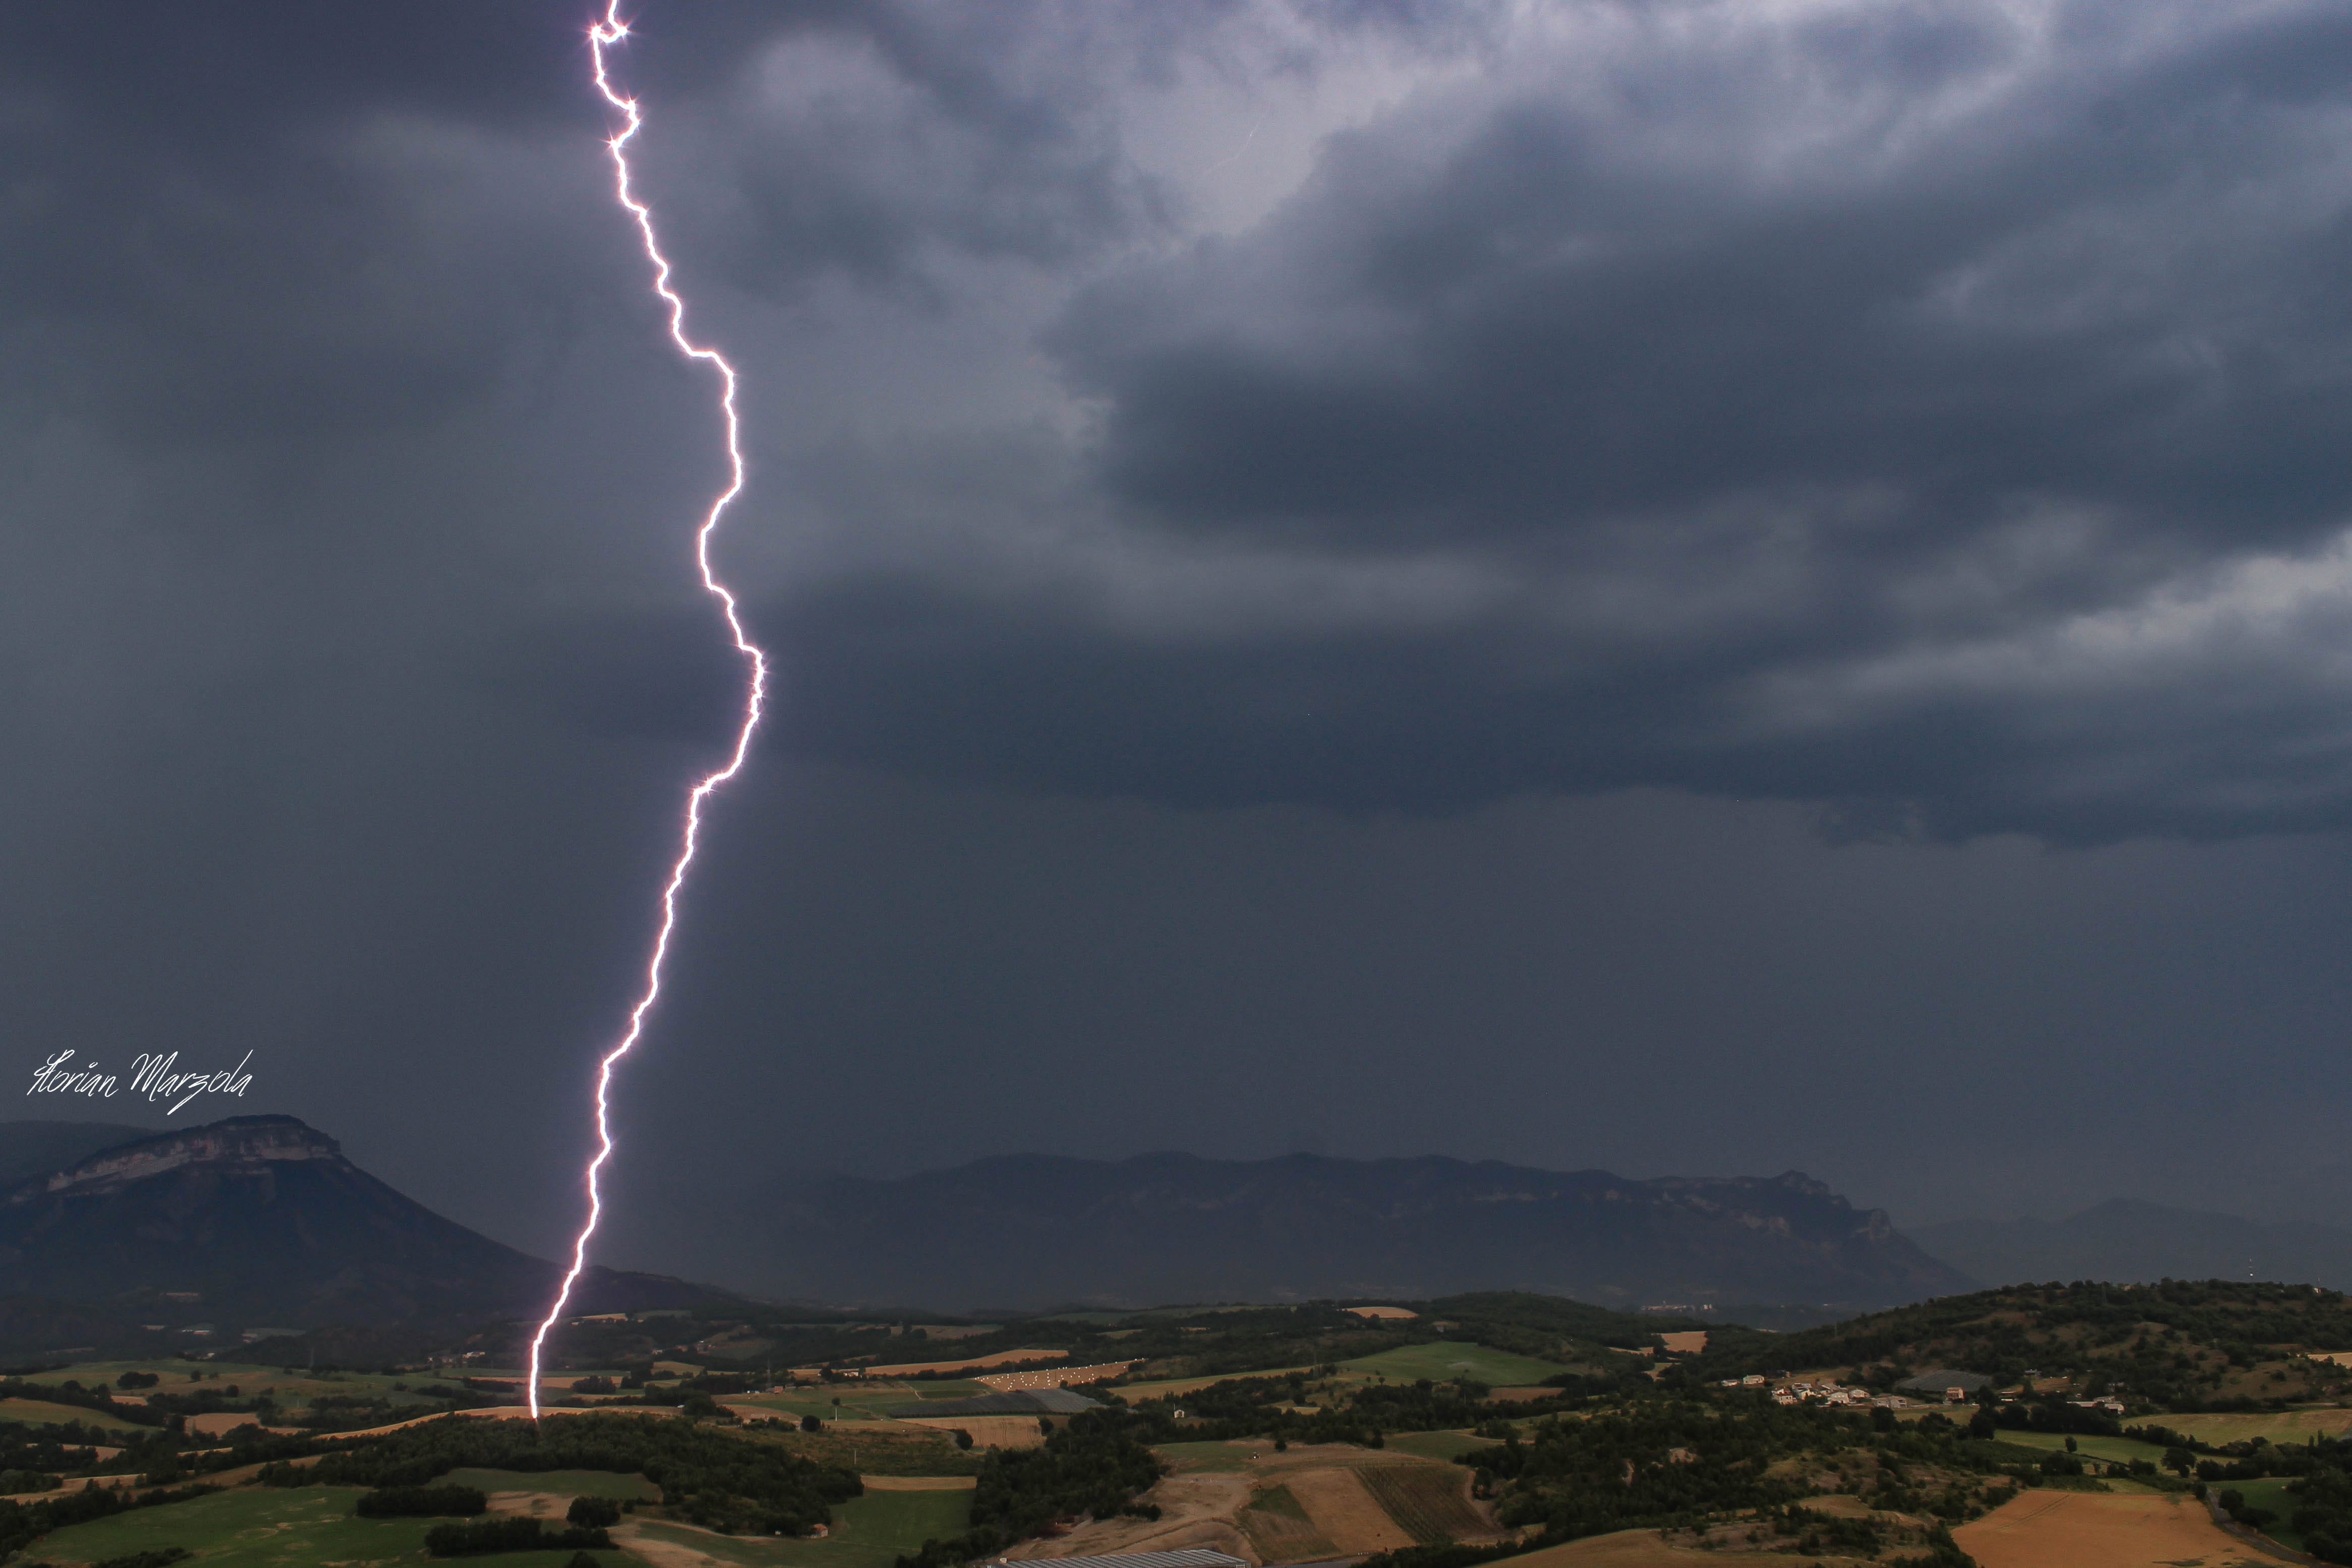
1033,1230
261,1219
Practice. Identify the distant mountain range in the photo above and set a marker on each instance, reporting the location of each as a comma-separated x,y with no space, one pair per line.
261,1220
253,1221
2124,1240
1032,1231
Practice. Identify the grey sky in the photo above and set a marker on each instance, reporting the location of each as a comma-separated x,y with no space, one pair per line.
1685,587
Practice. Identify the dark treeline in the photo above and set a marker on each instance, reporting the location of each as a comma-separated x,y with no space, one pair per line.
421,1502
711,1478
485,1536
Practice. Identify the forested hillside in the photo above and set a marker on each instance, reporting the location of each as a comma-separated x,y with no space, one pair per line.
2173,1345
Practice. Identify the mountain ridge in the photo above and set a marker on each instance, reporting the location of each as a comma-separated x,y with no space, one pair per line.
1018,1231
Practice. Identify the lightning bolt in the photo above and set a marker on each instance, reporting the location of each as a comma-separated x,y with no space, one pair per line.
603,36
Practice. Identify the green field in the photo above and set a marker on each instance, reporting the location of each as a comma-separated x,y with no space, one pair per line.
1448,1446
177,1377
562,1483
41,1413
870,1531
2278,1426
1212,1457
2122,1450
1442,1363
858,1404
2272,1495
271,1528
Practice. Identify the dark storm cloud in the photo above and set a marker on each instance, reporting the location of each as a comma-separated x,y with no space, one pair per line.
1938,409
2114,283
872,148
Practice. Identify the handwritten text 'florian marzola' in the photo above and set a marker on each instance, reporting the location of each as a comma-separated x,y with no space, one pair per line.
152,1076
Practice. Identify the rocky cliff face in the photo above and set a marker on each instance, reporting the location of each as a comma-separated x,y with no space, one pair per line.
1034,1231
245,1144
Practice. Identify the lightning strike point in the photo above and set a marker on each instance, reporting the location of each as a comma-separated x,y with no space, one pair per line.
603,36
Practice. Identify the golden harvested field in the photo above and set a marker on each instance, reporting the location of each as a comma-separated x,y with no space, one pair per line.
990,1431
1056,1376
2086,1530
1345,1512
1687,1342
919,1483
2278,1426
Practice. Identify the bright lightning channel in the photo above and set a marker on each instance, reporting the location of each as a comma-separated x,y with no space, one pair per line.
603,36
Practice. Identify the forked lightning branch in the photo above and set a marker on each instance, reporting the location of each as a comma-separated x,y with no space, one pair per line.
602,36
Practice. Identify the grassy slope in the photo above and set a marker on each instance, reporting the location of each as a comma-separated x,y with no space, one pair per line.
2278,1426
2200,1341
870,1531
41,1413
271,1529
1446,1360
2121,1449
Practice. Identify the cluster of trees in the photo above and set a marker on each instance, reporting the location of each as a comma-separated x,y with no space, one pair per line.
707,1478
485,1536
1095,1466
2170,1345
25,1447
1673,1462
160,1557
